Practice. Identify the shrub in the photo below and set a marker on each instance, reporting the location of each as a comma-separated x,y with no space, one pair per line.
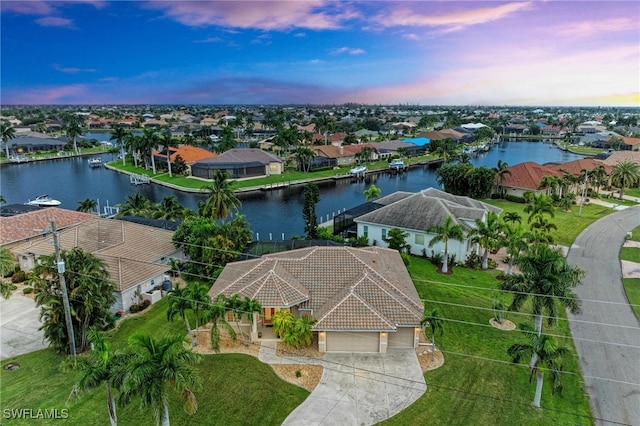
134,309
26,290
298,373
515,199
496,196
436,258
18,277
473,261
405,258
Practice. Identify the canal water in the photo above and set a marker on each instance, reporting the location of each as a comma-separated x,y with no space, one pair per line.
272,214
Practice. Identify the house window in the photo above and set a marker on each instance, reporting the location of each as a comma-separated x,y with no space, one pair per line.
419,239
384,234
365,231
273,167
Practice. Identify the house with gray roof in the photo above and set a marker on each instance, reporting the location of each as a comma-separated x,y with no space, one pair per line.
363,299
240,164
416,213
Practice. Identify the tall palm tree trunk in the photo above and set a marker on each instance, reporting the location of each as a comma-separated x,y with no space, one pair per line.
186,322
536,398
153,162
111,405
165,413
169,162
433,349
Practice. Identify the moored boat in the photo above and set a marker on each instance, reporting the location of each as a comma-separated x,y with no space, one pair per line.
43,201
358,170
397,164
95,162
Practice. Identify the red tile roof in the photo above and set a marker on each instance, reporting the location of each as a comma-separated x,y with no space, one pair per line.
577,166
36,223
190,154
528,175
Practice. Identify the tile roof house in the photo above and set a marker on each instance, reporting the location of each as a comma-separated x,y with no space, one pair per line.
240,164
189,154
362,298
621,157
525,177
135,255
416,213
576,167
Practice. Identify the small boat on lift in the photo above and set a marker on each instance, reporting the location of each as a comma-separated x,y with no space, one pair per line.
397,165
358,170
43,201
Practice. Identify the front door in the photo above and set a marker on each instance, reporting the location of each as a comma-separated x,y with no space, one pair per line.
268,313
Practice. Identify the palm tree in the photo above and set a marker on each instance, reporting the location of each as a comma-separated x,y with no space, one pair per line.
119,134
222,200
103,366
135,204
512,238
158,367
73,131
512,217
133,143
432,320
198,293
300,334
304,156
372,193
150,142
168,142
7,132
501,170
486,234
447,231
625,174
282,322
7,262
544,353
170,209
323,124
548,280
178,305
540,204
547,183
216,312
248,307
87,205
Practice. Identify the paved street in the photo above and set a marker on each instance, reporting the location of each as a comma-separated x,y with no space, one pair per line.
610,351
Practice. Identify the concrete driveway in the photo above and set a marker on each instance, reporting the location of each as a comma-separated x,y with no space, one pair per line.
19,323
607,333
361,389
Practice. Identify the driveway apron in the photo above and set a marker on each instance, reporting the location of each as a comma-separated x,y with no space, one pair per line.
361,389
19,323
607,333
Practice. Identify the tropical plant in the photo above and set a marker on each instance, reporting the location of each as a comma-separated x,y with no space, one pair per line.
501,170
372,193
119,134
170,209
149,141
198,293
135,204
158,367
7,132
88,205
513,238
396,239
282,322
548,280
2,200
544,354
90,296
216,312
179,303
539,205
304,156
624,175
247,308
432,320
7,262
486,234
300,334
449,230
311,198
222,200
102,366
73,131
168,142
512,217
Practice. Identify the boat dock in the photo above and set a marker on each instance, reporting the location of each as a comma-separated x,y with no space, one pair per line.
139,179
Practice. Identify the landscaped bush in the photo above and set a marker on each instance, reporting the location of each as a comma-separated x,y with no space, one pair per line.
26,290
134,309
515,199
473,261
405,258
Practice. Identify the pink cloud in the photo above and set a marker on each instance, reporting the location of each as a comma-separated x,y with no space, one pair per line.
41,7
594,28
52,21
403,16
45,95
411,36
348,50
265,15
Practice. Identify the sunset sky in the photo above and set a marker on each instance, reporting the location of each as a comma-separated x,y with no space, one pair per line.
320,52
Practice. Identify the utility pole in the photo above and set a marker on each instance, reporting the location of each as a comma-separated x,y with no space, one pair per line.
63,288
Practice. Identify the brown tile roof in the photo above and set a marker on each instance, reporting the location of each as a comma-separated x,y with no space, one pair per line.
346,288
631,141
239,156
528,175
31,224
330,151
621,157
577,166
130,250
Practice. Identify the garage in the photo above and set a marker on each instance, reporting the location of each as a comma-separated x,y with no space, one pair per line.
403,338
353,342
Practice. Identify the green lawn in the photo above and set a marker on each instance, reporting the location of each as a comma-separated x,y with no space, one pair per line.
635,234
486,389
570,224
632,254
237,389
632,288
585,150
633,192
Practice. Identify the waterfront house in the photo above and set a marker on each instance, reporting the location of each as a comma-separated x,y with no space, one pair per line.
416,213
189,154
135,255
526,177
363,299
240,164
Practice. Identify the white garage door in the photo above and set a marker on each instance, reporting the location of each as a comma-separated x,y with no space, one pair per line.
353,342
403,338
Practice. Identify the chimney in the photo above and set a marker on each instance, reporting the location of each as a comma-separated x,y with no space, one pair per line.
340,149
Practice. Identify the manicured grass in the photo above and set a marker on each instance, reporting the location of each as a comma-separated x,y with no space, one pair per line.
477,384
585,150
633,192
632,288
635,234
236,389
632,254
570,224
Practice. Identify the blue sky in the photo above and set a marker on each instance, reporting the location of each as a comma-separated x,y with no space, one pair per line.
320,52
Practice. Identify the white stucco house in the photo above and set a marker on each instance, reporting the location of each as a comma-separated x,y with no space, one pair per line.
415,213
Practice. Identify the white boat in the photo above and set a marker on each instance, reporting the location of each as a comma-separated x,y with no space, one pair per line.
18,159
396,164
358,170
43,201
95,162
